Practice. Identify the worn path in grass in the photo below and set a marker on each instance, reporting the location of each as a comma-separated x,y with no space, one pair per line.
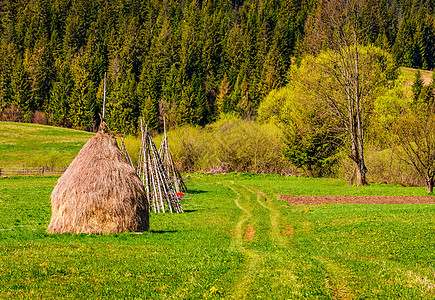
262,235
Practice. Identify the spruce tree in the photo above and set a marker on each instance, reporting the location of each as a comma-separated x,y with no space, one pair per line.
21,90
60,98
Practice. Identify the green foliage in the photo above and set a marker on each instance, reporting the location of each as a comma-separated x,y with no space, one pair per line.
21,96
59,105
314,106
188,60
315,152
406,117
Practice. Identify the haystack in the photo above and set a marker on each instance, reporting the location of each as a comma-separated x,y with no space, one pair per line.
99,193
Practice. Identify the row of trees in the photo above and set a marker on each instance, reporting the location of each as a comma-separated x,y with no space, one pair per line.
190,60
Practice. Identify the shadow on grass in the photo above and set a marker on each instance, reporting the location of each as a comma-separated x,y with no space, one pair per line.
163,231
189,210
194,192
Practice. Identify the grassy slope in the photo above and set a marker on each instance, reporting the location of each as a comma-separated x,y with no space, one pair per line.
408,74
230,243
39,146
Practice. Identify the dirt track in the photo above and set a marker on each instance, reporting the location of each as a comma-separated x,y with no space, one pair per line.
309,200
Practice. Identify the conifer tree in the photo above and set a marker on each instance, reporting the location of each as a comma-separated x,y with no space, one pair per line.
21,90
223,104
186,112
7,53
60,98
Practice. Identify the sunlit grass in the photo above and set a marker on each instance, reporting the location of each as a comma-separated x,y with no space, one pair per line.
408,75
32,145
230,243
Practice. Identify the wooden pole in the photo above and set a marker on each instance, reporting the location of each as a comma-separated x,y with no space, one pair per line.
104,97
154,175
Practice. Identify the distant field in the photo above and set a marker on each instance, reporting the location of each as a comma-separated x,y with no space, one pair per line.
408,74
32,145
234,241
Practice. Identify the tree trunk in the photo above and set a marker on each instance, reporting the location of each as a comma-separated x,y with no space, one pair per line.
352,177
429,185
361,171
361,167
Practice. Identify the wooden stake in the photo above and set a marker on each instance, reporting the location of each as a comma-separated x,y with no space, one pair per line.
154,175
104,97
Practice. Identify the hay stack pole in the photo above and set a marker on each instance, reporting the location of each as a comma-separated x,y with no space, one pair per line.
168,161
158,185
100,191
125,152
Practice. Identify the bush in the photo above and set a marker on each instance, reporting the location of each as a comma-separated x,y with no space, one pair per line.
39,117
383,165
229,145
12,114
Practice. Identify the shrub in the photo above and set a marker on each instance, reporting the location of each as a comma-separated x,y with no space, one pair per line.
12,114
229,145
39,117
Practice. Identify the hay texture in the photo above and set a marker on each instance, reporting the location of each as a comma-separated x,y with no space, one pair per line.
99,192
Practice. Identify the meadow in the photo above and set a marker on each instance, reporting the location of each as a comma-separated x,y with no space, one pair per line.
32,145
234,241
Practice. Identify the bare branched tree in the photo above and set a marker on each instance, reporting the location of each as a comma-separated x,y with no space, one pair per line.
348,79
415,133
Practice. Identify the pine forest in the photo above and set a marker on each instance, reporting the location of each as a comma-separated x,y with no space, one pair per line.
189,60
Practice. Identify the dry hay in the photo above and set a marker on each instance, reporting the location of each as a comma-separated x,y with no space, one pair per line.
313,200
99,192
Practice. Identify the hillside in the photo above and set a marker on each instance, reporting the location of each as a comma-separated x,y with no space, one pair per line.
32,145
407,75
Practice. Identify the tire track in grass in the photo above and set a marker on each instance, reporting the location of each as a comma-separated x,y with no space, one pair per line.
246,214
264,264
275,219
339,280
283,276
242,287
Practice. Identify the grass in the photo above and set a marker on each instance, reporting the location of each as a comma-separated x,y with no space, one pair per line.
230,243
408,75
32,145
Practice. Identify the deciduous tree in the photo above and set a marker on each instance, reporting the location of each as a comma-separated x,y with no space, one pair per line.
344,77
414,129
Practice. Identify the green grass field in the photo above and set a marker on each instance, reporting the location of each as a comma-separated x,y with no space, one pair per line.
32,145
230,243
